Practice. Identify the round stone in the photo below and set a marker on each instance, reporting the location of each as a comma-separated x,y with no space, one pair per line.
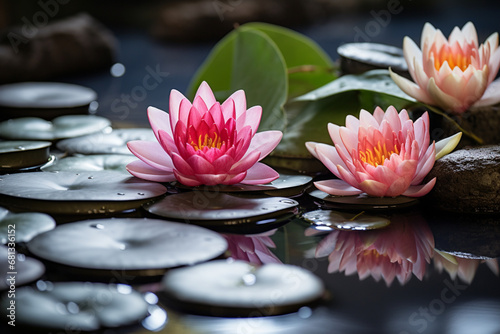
105,143
25,269
68,126
71,193
22,227
328,219
223,210
236,288
128,244
79,306
44,99
16,155
467,180
286,185
362,201
356,58
92,163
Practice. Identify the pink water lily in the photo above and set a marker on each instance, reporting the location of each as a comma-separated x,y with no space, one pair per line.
403,248
455,73
205,143
384,154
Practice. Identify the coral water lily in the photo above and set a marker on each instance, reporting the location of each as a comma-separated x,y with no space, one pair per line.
404,247
205,143
455,73
384,154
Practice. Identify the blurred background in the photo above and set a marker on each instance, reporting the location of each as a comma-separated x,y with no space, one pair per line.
116,45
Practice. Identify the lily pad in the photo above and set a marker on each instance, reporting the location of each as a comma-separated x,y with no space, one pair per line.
44,99
114,142
81,306
15,155
362,201
69,126
356,58
26,269
328,219
148,247
232,289
92,163
84,193
216,209
24,226
286,185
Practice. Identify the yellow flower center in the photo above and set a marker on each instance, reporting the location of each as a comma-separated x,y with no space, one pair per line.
376,155
206,141
459,60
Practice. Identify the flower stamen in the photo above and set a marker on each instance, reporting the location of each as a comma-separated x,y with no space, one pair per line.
376,155
206,141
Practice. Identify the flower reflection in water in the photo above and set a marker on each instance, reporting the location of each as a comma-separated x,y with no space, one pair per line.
252,248
403,248
464,268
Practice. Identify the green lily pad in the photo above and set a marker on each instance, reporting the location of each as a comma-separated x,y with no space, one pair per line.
16,155
92,163
362,201
233,289
248,59
24,226
328,219
69,126
147,247
114,142
85,193
216,209
357,58
85,306
286,185
26,269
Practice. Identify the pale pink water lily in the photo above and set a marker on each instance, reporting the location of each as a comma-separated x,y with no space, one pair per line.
205,143
384,154
403,248
455,73
253,248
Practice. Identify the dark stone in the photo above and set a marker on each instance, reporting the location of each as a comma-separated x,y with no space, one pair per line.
483,122
468,180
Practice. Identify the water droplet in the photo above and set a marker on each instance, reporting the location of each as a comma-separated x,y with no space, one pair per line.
22,148
304,312
288,201
249,279
90,177
120,194
72,308
264,209
140,194
97,226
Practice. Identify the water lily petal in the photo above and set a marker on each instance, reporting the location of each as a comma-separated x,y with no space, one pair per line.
251,118
200,165
189,180
311,147
245,163
159,120
264,142
445,101
491,95
240,102
410,88
151,153
337,187
329,157
374,188
211,179
174,106
233,179
144,171
420,190
425,165
181,165
260,174
205,92
447,145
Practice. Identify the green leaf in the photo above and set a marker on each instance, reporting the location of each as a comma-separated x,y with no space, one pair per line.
309,67
248,59
377,81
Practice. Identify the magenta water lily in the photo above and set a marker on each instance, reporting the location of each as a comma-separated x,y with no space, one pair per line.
384,154
205,143
455,73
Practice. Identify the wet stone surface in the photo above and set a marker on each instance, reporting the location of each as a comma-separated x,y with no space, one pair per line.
468,180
